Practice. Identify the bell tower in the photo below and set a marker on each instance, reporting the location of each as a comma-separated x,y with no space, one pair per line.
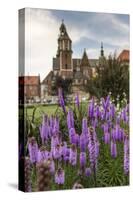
64,51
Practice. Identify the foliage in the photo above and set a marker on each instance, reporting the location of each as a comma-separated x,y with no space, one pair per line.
60,82
112,77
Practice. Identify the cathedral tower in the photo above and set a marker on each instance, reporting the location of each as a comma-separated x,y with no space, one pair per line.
64,52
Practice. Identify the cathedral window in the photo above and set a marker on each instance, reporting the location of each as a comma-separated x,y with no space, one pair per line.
78,69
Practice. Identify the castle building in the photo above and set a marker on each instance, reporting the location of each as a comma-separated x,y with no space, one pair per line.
29,88
80,70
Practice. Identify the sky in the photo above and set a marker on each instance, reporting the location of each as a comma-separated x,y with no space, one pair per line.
86,30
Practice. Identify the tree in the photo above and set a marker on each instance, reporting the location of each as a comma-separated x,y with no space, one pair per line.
65,84
112,76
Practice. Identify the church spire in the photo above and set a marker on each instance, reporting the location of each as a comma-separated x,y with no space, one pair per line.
102,51
63,30
84,60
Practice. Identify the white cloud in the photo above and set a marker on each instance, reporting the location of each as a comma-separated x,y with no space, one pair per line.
41,41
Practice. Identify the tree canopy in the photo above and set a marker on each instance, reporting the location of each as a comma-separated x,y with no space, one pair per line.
112,77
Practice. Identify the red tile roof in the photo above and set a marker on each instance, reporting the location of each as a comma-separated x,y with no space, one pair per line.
29,80
124,55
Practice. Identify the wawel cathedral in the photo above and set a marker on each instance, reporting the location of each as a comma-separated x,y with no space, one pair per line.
80,70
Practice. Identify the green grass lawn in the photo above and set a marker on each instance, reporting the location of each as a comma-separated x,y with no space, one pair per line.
41,109
47,109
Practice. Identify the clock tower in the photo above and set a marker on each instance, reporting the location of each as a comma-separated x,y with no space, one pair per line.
64,52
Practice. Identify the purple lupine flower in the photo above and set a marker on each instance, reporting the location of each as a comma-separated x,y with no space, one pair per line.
56,126
127,119
61,99
77,138
60,176
63,149
102,114
73,155
97,112
57,152
33,149
94,122
54,141
118,119
45,119
127,108
82,159
88,171
126,156
77,100
51,126
107,115
113,134
27,175
84,126
49,155
70,119
82,142
91,109
72,136
112,111
105,127
106,138
117,132
42,154
106,102
67,154
51,121
92,154
121,134
124,115
93,148
44,129
52,166
113,148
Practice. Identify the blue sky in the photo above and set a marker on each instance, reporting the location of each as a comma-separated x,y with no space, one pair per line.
86,30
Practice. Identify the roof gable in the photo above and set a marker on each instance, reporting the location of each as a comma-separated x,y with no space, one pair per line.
84,60
124,55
